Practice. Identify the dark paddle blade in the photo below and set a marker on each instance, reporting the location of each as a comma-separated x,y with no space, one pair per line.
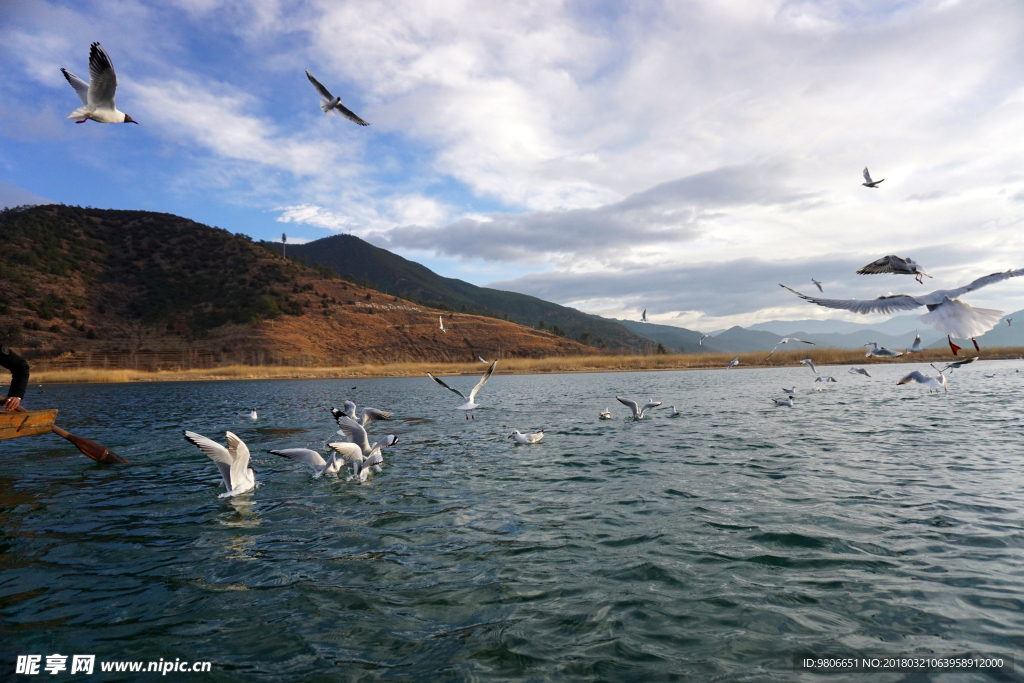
89,448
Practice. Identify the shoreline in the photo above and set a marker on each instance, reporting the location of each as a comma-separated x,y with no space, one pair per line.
510,366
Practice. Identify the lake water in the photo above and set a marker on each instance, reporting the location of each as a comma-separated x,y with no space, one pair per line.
869,519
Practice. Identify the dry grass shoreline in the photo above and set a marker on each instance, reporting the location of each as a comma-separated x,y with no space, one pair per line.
510,366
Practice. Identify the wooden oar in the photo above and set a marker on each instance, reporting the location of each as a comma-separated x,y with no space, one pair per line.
89,448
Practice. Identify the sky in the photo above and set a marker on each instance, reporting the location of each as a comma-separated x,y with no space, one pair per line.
679,157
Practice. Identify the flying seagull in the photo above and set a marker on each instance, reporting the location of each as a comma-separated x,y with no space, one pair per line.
470,404
946,313
643,317
330,103
895,265
859,371
868,182
917,376
98,94
916,348
733,363
809,363
817,284
786,341
440,320
485,362
957,364
702,338
881,351
367,416
535,437
822,379
233,462
1008,321
638,412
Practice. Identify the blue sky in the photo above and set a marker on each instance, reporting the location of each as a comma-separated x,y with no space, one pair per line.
679,157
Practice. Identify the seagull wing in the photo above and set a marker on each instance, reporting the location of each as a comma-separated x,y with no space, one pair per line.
324,92
372,415
808,362
304,455
867,176
80,86
448,387
818,285
375,459
355,433
632,405
772,353
482,382
239,458
216,452
980,282
350,115
915,376
883,304
649,406
102,79
350,409
347,450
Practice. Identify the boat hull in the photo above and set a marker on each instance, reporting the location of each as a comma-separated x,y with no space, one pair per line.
28,423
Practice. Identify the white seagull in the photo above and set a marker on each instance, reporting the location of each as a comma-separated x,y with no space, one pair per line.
809,363
859,371
233,462
702,338
638,412
98,94
917,376
956,365
367,416
672,412
786,341
790,391
315,460
606,414
822,379
916,348
881,351
485,362
365,455
784,402
946,313
330,103
535,437
868,182
253,415
896,266
733,363
470,404
817,284
441,321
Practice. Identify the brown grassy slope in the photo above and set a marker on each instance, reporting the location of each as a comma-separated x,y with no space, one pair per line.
125,289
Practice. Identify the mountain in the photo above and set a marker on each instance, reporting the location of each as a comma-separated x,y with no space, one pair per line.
675,338
898,325
740,340
359,261
91,287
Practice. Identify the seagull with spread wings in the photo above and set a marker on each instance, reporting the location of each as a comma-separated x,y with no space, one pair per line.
786,341
367,415
359,450
868,182
314,459
809,363
98,94
330,104
859,371
470,404
895,265
946,313
818,285
916,348
638,411
919,377
232,462
881,351
733,363
702,338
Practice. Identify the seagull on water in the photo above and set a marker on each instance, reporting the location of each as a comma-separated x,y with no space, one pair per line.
606,414
916,348
786,341
330,103
253,415
790,391
784,401
859,371
367,416
946,313
868,182
896,266
98,94
733,363
638,412
315,460
702,338
470,404
881,351
526,438
441,321
919,377
365,455
233,462
809,363
672,412
823,379
817,284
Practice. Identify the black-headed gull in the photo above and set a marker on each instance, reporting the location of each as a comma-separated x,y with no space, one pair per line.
535,437
916,348
896,266
817,284
98,94
367,415
824,379
868,182
809,363
859,371
946,313
790,391
253,415
233,462
314,459
672,412
606,414
786,341
918,377
702,338
881,351
367,455
638,412
470,404
956,365
733,363
783,401
329,104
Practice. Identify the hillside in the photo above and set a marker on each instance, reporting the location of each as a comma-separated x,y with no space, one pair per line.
136,289
362,262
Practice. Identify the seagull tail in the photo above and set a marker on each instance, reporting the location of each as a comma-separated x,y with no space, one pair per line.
79,113
326,107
